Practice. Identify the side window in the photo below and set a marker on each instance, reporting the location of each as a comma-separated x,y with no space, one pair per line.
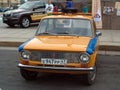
39,6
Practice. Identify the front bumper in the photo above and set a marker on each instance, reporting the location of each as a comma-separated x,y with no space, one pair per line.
46,68
10,20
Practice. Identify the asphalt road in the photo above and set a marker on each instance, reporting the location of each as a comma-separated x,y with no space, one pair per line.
108,75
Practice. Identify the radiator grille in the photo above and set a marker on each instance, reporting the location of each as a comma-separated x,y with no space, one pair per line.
70,56
6,15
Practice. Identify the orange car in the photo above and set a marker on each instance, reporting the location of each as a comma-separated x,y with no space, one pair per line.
63,43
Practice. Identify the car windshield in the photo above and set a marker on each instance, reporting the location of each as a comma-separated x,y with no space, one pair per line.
77,27
27,5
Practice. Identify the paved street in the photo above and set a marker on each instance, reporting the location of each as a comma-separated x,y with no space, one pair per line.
108,75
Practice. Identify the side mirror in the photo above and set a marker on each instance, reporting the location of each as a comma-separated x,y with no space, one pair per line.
98,33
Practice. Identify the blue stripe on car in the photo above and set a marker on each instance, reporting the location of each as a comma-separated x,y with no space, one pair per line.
21,47
92,45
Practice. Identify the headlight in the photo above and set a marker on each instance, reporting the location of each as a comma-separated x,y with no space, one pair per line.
84,58
25,55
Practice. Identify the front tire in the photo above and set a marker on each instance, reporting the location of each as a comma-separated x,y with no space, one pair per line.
25,22
90,77
28,75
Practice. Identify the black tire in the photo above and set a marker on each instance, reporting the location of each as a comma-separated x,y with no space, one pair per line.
10,25
25,22
28,75
89,79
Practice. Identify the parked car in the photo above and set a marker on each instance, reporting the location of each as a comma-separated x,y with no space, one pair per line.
63,43
27,13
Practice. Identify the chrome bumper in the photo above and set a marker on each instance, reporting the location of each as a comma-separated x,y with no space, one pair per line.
55,68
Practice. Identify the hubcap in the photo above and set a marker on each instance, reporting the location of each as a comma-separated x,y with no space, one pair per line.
25,22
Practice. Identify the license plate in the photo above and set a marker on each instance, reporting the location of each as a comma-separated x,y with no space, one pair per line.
53,61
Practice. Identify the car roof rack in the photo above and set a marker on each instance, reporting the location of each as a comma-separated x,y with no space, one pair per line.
71,12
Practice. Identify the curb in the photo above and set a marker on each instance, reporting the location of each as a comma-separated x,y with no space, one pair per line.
101,47
109,48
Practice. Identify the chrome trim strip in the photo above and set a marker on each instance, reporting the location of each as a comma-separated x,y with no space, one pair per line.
55,68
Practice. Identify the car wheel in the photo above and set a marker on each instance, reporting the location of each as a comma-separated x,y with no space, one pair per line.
90,77
11,25
28,75
25,22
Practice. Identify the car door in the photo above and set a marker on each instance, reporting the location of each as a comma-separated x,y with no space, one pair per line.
38,11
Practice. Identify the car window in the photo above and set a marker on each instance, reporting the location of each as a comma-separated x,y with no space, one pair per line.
42,27
80,27
27,5
50,25
39,4
83,26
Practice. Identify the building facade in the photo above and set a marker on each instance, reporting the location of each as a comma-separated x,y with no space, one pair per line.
7,3
111,14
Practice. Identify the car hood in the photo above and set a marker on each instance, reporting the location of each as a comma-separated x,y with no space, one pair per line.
57,43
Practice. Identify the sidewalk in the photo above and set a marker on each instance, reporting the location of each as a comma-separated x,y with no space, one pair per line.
109,41
14,37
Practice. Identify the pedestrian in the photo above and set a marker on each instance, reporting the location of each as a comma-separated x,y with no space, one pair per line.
55,8
49,7
85,9
69,4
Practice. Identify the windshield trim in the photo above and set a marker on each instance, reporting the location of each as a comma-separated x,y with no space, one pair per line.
68,34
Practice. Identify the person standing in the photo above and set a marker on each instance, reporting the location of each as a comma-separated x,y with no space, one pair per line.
49,7
55,8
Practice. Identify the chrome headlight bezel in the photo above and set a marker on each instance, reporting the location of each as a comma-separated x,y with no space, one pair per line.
84,58
25,55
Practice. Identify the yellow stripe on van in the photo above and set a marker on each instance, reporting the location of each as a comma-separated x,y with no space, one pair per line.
37,17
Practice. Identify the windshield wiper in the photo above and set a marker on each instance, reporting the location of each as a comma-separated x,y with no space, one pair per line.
63,33
46,33
66,33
